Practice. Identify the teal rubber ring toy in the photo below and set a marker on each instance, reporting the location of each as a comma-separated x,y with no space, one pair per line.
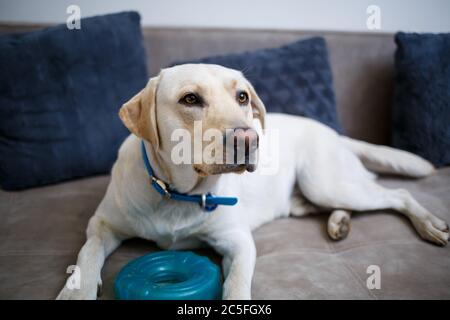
169,275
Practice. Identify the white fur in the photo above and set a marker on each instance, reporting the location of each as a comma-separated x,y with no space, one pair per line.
320,165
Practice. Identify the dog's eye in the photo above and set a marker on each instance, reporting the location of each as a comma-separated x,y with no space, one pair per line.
190,99
242,97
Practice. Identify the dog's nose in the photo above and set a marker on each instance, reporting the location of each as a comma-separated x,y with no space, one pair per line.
241,145
246,138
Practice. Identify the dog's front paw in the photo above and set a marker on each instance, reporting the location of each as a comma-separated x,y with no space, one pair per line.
84,293
236,294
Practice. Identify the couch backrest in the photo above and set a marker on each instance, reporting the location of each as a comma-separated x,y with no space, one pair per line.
362,65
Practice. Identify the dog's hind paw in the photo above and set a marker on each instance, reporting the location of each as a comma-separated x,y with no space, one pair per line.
338,224
432,229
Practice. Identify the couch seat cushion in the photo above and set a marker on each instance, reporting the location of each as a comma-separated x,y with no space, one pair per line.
44,228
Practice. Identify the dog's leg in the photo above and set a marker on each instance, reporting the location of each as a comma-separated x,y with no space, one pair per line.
300,206
101,241
339,224
239,256
365,195
429,226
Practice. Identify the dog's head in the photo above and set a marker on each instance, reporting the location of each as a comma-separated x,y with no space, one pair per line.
200,103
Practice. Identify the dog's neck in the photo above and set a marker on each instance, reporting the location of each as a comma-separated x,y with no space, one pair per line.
180,177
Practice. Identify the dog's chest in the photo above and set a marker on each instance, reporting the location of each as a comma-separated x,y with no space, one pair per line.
170,222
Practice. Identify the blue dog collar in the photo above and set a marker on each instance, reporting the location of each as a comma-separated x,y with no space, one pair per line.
207,201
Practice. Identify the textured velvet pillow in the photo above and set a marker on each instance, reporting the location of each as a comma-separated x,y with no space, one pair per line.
60,92
421,111
295,78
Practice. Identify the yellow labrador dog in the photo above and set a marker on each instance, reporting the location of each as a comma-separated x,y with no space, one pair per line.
318,170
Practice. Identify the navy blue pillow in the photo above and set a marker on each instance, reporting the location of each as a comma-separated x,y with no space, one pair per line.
60,92
295,78
421,111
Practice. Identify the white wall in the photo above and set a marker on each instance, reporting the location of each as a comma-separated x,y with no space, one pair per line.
350,15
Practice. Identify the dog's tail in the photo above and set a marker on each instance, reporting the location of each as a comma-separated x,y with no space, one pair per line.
384,159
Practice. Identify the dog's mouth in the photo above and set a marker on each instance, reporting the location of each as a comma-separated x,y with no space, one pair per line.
206,170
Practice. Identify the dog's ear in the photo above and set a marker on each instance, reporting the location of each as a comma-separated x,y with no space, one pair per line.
258,108
139,113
